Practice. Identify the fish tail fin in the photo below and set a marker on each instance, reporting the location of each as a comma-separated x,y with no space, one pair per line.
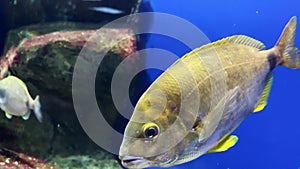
37,108
290,55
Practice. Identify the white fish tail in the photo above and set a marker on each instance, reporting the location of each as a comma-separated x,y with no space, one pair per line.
289,55
37,108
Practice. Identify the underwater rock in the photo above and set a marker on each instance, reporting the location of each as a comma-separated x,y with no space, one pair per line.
49,58
45,62
12,160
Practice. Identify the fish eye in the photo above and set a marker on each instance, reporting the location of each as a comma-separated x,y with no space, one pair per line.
150,130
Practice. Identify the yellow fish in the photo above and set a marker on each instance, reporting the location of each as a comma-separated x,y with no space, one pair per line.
170,126
16,100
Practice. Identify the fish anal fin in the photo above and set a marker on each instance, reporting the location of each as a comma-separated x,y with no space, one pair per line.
8,115
26,116
262,102
225,144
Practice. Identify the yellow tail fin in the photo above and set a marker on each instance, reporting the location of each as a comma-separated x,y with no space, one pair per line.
286,45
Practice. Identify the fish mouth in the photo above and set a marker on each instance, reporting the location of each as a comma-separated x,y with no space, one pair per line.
129,161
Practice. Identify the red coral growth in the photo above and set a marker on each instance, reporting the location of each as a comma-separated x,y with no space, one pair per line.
7,60
72,37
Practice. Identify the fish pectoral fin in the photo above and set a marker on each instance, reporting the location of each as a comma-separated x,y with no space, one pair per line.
26,116
225,144
225,105
8,115
262,102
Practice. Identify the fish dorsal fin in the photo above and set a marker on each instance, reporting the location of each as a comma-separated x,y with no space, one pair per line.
235,39
225,144
248,41
264,96
15,79
19,81
239,39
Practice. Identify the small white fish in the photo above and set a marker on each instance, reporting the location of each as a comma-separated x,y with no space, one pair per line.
107,10
16,100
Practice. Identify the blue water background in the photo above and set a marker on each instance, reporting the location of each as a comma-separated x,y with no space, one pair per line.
268,139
